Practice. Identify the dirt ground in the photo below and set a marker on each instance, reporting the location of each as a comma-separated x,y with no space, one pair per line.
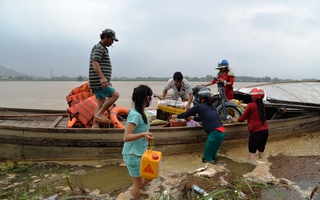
292,168
296,168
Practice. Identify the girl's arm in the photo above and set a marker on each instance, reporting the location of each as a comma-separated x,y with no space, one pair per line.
130,136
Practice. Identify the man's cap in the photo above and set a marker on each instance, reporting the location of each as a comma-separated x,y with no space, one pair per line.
111,34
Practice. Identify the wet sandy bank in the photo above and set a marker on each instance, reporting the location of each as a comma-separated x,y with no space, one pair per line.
294,164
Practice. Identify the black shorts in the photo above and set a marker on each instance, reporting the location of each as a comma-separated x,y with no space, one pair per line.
258,140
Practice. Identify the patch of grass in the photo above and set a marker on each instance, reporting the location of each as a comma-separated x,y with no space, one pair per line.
25,195
16,168
243,189
23,191
67,179
163,195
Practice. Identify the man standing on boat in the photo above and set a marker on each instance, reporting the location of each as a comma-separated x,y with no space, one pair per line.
181,88
100,76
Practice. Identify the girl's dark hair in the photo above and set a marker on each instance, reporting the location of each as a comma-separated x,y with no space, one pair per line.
139,97
261,110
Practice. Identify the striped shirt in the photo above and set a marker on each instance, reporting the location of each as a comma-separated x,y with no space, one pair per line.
100,54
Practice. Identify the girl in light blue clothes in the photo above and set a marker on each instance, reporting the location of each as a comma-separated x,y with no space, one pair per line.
137,136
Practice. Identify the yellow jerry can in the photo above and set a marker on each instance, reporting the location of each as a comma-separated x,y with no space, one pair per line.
151,162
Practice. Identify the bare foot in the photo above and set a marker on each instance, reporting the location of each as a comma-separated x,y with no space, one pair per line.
102,119
94,126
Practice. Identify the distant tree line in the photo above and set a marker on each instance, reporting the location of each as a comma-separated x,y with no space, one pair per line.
29,78
191,79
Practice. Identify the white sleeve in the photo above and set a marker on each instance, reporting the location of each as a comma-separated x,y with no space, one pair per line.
169,85
187,87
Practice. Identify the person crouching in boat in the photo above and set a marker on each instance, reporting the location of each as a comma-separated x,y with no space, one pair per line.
137,136
257,123
211,122
181,89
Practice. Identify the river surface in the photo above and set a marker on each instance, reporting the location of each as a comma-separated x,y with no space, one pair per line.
52,95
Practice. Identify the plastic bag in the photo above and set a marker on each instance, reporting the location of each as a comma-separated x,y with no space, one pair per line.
173,103
193,123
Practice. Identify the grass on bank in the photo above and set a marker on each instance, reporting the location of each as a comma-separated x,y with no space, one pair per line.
244,190
22,192
16,168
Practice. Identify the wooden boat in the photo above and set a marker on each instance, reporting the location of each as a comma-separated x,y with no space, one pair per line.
41,135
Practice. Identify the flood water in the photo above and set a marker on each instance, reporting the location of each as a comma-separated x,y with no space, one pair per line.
52,94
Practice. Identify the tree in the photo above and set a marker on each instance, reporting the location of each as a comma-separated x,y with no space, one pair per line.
80,78
209,77
267,79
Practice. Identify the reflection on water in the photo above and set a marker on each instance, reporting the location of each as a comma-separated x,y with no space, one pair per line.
106,178
236,168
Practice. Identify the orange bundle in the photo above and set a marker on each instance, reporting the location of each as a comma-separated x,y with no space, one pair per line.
82,113
78,94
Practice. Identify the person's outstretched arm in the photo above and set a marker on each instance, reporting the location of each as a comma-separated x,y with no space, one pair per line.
164,93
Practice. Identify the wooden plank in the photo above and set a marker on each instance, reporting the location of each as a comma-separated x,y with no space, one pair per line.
31,115
10,122
34,123
56,122
45,124
278,113
294,103
23,123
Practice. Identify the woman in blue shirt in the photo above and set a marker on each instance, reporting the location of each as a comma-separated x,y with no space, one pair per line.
137,136
211,122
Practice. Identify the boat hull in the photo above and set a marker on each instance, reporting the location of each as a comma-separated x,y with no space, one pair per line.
41,135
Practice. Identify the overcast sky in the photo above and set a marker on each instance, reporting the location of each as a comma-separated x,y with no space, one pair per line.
157,38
